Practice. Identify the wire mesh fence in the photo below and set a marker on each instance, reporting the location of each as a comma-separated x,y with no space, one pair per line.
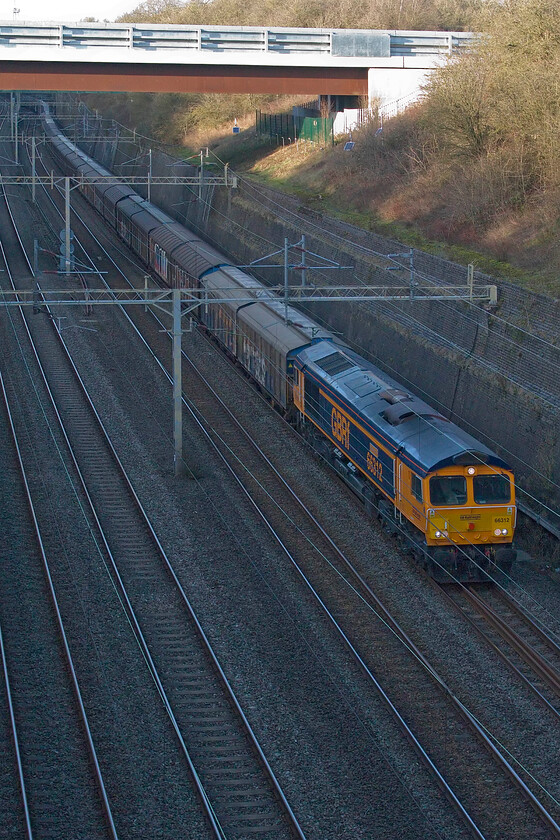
290,128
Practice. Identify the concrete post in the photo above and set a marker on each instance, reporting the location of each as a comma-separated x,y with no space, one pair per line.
201,175
67,261
33,169
286,279
16,129
177,385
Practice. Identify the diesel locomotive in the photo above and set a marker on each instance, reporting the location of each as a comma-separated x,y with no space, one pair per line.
450,497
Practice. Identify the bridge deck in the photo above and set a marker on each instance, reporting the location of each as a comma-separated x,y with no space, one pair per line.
162,57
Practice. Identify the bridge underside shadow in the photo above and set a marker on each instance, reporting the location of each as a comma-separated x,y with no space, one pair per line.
173,78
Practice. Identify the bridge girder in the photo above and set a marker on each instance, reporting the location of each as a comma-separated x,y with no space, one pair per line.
174,78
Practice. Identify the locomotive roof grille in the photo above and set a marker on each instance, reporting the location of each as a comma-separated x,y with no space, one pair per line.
335,363
362,385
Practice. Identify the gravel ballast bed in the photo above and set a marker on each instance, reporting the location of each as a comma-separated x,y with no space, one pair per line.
330,493
147,782
226,580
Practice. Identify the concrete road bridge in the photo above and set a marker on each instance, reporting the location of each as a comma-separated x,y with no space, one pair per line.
380,64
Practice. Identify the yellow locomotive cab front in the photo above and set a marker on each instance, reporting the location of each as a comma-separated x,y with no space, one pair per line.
472,505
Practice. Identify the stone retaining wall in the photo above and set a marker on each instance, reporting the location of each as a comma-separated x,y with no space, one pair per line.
496,372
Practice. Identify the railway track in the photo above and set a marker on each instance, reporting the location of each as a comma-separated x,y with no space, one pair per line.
313,551
528,648
61,788
287,517
236,785
301,535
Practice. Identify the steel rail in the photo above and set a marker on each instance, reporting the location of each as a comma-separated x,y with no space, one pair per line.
446,590
140,636
225,682
143,645
532,657
50,583
134,621
387,616
487,742
444,786
394,625
60,624
537,805
539,664
537,628
423,754
13,725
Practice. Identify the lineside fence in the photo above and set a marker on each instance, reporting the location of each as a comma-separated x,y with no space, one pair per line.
287,128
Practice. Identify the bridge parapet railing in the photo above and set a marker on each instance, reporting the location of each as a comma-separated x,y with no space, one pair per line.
360,43
429,43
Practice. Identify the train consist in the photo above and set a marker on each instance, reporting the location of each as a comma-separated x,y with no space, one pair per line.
449,496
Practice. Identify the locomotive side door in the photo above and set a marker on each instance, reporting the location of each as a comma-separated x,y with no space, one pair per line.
409,495
399,496
298,389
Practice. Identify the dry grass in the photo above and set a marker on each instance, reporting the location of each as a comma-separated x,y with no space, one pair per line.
459,211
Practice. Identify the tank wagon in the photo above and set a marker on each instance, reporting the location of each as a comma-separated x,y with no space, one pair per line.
448,495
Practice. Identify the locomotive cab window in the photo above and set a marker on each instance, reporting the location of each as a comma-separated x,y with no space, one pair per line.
448,490
416,487
491,489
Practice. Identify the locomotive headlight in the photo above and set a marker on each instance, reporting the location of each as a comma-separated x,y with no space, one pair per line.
438,534
498,532
471,471
504,532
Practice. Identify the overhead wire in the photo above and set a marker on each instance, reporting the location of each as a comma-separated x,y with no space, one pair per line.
415,385
211,501
397,264
421,326
519,382
395,260
477,547
399,375
526,493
